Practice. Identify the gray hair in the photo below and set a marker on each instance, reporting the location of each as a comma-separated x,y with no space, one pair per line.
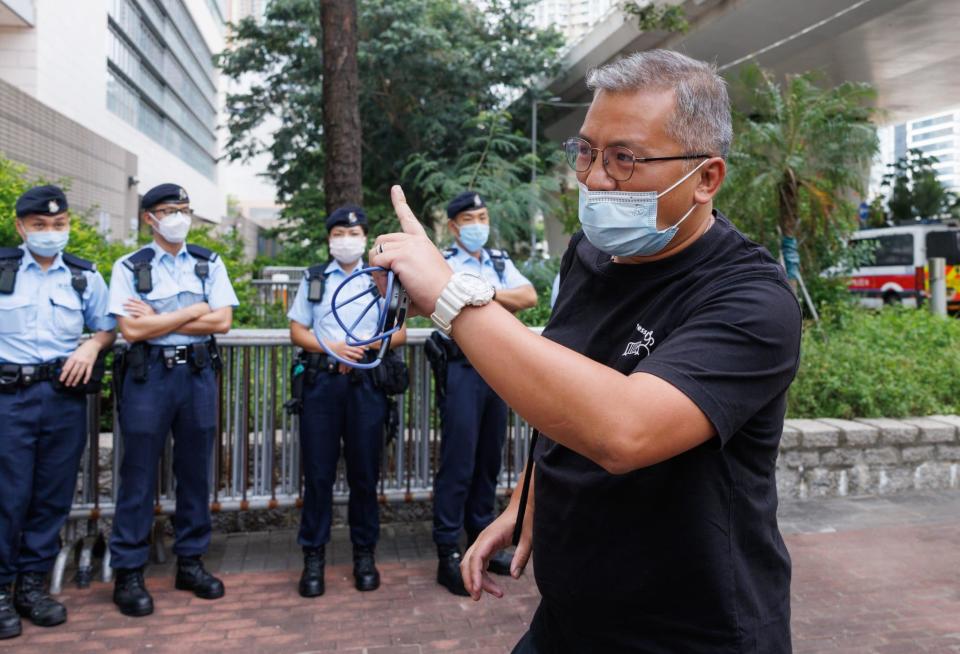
701,121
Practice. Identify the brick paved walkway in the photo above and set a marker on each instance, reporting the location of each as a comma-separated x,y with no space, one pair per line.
874,575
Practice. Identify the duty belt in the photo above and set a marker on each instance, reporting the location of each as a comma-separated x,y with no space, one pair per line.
175,355
315,362
15,375
197,354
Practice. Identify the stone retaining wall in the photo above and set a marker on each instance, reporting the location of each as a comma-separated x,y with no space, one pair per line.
868,456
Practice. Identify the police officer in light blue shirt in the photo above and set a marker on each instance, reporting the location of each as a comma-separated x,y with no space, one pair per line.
474,417
169,298
339,404
47,296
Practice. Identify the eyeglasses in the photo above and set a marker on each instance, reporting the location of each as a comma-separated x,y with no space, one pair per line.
163,213
618,161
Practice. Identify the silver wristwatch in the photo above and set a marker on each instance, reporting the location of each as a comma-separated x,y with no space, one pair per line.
463,289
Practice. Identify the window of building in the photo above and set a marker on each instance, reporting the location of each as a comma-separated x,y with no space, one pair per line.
121,98
156,81
930,122
934,147
937,133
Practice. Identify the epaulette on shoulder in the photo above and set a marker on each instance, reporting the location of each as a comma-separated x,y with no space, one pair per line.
201,252
74,261
143,255
316,270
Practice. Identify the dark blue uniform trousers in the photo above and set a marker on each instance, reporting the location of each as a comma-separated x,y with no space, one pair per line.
42,436
474,427
185,402
339,407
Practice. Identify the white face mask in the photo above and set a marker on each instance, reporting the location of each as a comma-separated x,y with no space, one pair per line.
174,227
347,249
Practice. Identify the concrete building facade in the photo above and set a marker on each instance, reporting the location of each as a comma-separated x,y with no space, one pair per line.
136,73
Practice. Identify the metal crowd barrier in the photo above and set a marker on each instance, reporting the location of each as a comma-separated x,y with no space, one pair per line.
280,293
256,463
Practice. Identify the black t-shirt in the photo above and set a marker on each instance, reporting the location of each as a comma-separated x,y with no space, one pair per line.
686,555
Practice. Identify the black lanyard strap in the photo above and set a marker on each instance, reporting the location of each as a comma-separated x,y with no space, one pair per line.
525,492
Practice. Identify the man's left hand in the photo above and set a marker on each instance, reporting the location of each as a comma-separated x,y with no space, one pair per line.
412,257
79,366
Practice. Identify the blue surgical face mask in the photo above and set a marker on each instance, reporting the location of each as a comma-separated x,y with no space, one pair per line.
474,236
47,244
624,223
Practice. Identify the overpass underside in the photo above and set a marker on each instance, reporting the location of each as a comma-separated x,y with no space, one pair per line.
907,49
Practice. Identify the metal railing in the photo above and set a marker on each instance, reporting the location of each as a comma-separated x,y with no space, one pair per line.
272,292
256,463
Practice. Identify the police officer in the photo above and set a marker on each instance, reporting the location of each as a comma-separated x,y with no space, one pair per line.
338,403
46,298
474,417
169,299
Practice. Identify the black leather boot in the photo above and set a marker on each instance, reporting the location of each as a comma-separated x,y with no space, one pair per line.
311,581
34,603
9,620
130,594
499,563
448,570
192,576
365,572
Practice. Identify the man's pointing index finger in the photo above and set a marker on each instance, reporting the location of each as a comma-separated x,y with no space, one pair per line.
408,222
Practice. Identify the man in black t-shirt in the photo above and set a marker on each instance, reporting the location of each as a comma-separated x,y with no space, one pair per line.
659,384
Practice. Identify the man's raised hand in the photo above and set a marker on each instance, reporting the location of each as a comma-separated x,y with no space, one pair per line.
413,258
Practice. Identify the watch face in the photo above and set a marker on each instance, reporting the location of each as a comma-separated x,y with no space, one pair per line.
473,284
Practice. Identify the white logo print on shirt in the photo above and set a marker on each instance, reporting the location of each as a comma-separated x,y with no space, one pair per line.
645,342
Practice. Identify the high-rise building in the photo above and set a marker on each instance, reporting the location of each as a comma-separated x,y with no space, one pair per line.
937,135
134,91
239,9
252,193
573,18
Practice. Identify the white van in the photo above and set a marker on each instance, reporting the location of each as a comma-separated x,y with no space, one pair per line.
897,272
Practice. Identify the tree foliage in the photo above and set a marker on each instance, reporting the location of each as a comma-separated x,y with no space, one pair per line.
85,240
653,17
799,156
915,191
428,68
493,162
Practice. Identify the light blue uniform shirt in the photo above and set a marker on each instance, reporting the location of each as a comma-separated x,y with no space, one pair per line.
43,318
463,261
175,286
317,315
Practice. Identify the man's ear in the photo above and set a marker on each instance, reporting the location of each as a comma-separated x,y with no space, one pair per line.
711,176
20,229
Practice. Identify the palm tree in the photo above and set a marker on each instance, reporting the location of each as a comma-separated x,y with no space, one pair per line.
800,156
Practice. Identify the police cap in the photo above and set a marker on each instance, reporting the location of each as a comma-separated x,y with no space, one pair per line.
46,200
172,193
349,215
466,201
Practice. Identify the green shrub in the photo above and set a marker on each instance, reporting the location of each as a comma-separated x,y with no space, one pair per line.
863,364
540,272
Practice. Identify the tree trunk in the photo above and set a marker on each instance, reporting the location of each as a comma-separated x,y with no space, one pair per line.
341,104
788,222
788,204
